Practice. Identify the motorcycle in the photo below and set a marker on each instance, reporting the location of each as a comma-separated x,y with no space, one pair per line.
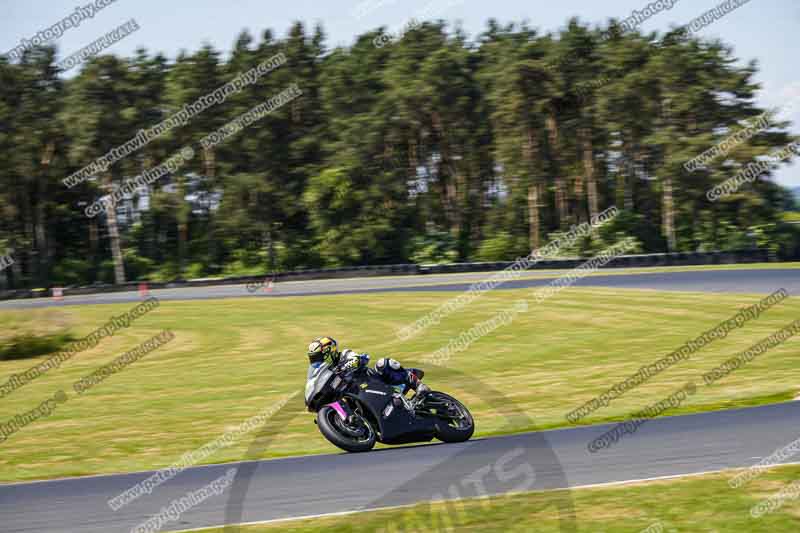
356,408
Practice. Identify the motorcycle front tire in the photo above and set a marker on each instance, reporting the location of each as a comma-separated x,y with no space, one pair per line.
327,426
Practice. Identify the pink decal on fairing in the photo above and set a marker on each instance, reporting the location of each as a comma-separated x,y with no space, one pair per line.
339,410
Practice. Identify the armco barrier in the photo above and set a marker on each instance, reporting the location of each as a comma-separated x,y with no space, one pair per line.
625,261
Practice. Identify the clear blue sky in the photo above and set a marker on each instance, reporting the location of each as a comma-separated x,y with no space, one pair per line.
765,30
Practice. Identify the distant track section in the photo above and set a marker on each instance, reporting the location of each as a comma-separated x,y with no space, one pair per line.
747,281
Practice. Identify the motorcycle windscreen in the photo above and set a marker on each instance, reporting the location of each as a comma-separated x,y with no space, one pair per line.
317,379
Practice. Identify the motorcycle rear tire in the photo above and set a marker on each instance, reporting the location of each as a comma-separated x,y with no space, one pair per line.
447,433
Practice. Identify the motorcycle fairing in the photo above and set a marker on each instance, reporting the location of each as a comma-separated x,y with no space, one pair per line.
400,426
318,377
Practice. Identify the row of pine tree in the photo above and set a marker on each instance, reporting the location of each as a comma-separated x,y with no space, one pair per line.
435,147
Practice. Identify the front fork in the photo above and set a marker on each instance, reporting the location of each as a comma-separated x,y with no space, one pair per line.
342,409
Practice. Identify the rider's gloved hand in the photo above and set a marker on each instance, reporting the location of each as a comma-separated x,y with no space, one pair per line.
352,360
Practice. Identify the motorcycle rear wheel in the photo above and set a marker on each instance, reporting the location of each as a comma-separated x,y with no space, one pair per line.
447,430
336,431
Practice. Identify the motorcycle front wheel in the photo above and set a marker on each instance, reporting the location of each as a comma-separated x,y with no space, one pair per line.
352,435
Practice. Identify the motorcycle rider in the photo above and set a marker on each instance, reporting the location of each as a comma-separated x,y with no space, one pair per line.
326,350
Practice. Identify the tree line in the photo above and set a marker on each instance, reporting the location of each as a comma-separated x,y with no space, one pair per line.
431,148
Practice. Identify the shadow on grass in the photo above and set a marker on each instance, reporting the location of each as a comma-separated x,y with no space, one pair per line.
28,345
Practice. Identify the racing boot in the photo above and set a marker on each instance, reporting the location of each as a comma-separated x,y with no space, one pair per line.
415,382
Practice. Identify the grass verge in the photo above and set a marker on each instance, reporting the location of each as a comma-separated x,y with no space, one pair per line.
234,358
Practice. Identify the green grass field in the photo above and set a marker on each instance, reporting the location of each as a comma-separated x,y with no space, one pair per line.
697,504
233,358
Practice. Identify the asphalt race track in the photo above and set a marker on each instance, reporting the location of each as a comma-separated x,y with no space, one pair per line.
323,484
739,281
